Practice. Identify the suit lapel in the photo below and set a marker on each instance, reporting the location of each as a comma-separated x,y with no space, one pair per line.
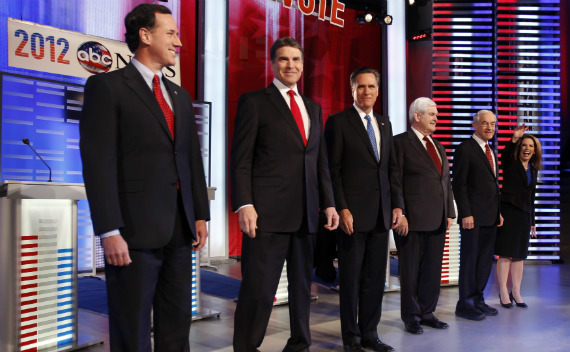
421,150
175,98
284,111
356,122
134,80
481,154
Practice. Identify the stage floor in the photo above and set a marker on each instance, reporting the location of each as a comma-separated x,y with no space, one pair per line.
544,326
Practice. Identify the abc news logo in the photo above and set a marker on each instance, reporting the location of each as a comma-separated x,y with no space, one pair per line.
96,58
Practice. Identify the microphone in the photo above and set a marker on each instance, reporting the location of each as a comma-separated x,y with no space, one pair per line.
27,142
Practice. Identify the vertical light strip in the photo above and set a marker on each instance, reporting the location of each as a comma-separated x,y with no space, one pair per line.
503,55
528,90
397,109
215,91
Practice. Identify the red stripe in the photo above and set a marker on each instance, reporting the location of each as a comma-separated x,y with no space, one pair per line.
26,262
33,349
28,343
33,333
27,278
24,287
29,310
33,317
29,238
29,294
32,245
31,326
29,254
33,301
28,270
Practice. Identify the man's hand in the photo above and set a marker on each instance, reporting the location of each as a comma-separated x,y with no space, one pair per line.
468,223
332,218
396,217
533,231
449,223
501,220
116,250
346,221
402,230
201,234
248,220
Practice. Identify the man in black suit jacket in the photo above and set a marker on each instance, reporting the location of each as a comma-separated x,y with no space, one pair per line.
368,195
279,180
146,187
429,210
476,190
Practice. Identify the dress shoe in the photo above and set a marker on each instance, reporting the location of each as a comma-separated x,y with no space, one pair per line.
413,327
377,345
505,305
353,348
486,309
434,323
470,313
520,305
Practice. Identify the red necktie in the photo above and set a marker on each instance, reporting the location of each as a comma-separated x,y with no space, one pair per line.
163,105
433,153
489,156
297,115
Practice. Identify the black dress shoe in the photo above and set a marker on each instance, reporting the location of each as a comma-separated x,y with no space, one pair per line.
353,348
376,345
486,309
505,305
413,327
434,323
470,313
520,305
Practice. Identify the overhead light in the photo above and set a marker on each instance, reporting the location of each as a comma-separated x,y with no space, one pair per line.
411,2
383,19
388,20
364,18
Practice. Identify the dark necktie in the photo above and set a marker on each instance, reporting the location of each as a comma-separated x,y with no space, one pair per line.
163,105
489,156
297,115
433,153
372,136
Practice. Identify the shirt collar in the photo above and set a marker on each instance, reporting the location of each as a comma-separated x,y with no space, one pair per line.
146,72
419,134
283,88
479,140
362,113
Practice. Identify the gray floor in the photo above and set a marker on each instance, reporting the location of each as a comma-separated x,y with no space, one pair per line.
544,326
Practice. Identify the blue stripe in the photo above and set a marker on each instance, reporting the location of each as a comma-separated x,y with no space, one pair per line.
60,319
65,273
59,304
65,250
63,281
65,326
63,311
61,266
65,258
63,288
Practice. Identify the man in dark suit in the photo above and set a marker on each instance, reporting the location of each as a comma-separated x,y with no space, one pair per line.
368,196
146,187
279,180
429,210
476,190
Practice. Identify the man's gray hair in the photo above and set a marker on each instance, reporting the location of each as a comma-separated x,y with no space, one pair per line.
481,113
420,105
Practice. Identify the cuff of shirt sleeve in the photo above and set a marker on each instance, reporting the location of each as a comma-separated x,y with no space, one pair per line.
110,233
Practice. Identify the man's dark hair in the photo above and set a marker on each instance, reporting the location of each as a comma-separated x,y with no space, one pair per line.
287,41
360,71
142,16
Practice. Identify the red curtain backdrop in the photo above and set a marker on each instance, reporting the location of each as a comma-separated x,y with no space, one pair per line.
189,41
331,54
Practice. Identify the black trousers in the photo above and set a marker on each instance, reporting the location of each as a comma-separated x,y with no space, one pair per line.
159,280
262,263
362,259
419,258
476,262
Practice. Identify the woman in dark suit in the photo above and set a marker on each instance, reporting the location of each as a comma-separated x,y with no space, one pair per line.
521,160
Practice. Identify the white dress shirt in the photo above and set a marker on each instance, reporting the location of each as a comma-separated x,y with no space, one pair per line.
482,144
424,143
283,89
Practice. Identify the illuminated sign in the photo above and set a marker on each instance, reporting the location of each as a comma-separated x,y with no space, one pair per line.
307,7
43,48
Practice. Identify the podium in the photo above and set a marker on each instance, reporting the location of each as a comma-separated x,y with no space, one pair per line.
38,267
